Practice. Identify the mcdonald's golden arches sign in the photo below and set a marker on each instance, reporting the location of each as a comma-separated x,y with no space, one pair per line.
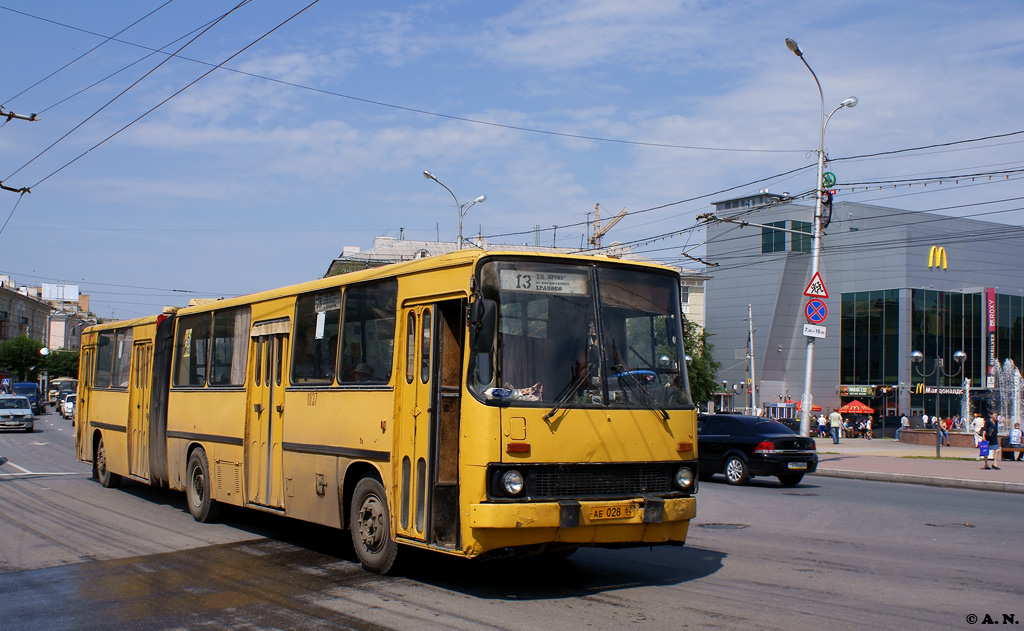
937,256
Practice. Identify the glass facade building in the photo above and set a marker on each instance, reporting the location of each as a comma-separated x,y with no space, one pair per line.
896,282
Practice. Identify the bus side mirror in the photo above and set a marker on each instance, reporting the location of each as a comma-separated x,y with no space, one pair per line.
482,323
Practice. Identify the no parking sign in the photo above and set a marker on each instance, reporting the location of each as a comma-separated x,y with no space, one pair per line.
816,311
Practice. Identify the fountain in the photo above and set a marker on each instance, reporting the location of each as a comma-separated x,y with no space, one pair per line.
1009,390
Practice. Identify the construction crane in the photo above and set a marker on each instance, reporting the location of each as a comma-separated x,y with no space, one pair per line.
599,232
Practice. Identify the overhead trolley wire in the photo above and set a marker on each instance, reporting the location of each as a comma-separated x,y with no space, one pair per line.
118,96
86,53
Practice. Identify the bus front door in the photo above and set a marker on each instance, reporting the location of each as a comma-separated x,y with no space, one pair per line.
263,454
139,409
428,432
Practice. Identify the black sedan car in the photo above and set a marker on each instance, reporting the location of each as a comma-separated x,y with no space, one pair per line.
742,447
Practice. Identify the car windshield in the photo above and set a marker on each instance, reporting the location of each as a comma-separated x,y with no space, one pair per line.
586,336
14,403
25,389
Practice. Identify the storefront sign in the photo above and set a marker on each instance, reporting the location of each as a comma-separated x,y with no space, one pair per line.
856,391
990,295
937,256
923,389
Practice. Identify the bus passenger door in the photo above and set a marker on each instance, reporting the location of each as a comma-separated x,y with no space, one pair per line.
138,410
81,417
263,454
428,424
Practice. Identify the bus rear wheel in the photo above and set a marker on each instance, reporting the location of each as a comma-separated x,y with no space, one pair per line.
197,487
99,467
370,527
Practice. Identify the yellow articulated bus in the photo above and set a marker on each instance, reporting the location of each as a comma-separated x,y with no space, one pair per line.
472,403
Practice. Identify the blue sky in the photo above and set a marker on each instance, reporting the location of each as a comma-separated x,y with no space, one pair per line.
243,182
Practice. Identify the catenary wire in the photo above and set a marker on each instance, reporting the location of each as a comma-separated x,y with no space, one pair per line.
86,53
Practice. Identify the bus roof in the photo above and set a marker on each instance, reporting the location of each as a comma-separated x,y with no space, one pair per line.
459,258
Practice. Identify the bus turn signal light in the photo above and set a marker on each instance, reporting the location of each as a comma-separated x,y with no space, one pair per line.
517,448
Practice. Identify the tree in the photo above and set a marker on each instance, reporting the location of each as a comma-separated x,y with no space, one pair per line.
62,363
703,367
21,356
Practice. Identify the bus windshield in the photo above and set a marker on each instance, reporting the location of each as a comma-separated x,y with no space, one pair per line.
582,336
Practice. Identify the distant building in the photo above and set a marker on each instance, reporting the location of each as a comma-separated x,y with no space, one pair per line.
388,250
21,314
53,314
896,281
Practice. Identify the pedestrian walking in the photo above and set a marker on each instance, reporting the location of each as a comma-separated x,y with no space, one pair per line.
977,428
991,436
835,422
822,432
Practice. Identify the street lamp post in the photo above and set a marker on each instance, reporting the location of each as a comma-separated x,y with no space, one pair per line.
807,399
463,208
916,358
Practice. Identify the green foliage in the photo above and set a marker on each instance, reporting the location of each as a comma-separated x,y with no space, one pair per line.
703,367
20,355
62,363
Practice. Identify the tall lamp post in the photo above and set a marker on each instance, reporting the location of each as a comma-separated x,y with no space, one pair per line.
916,358
807,399
463,208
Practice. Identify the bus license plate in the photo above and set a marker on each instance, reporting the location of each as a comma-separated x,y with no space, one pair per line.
620,511
798,465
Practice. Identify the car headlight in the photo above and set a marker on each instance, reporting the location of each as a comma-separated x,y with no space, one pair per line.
512,482
684,478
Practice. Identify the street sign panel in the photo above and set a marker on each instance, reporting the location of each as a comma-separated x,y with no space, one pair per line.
813,330
816,311
816,288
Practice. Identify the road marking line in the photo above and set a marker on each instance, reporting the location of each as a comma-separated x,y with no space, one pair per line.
29,473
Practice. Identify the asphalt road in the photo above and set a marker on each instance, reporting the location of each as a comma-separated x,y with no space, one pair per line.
831,553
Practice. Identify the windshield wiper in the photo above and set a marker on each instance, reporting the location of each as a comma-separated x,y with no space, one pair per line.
637,389
569,391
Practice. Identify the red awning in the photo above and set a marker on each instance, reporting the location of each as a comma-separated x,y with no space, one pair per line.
856,407
814,406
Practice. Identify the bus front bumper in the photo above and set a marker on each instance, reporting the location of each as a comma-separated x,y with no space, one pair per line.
573,514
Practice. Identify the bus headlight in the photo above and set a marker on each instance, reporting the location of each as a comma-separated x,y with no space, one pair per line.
684,478
512,482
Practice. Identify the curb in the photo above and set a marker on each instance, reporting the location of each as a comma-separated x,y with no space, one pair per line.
906,478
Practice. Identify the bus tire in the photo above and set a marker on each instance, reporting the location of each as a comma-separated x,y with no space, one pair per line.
99,467
370,527
197,488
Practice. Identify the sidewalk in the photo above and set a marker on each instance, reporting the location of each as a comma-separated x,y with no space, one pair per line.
889,461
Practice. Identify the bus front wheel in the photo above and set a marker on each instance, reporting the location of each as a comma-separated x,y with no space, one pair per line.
203,507
99,467
370,527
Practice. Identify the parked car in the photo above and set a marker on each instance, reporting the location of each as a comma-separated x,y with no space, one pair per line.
67,410
34,394
16,412
742,447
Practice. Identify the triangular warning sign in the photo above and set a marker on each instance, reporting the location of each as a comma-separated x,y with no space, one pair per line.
816,288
